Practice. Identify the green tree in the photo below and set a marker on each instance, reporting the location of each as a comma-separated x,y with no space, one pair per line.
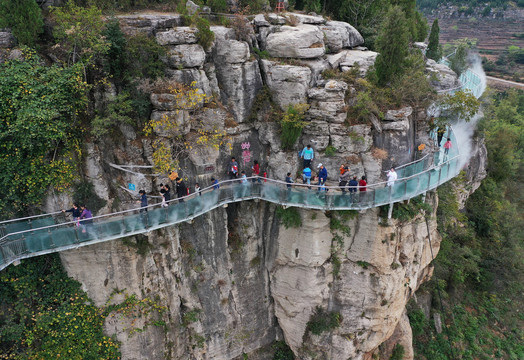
46,315
459,61
421,26
434,50
78,32
392,45
365,15
39,134
24,17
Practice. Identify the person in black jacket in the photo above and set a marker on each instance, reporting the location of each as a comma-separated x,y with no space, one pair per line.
75,211
181,189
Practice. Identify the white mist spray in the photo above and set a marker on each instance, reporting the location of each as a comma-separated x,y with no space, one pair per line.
464,130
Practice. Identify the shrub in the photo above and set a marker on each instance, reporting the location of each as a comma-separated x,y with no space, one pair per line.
290,217
263,54
322,321
292,124
144,57
190,317
205,36
398,352
217,5
330,150
282,351
24,17
379,154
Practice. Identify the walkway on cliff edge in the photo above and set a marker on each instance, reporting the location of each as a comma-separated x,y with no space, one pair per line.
43,234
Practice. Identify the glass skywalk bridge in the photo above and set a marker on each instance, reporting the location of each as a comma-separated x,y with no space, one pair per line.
38,235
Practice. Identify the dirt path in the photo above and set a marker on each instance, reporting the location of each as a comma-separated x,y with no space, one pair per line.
504,83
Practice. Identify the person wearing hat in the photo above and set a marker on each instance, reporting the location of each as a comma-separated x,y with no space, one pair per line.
322,175
343,179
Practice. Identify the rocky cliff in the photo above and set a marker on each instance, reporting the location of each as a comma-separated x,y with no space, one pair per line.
236,280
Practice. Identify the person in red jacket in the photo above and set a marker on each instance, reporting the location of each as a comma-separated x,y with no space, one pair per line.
256,170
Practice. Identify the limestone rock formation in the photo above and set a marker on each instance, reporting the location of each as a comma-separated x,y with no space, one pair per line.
302,42
247,279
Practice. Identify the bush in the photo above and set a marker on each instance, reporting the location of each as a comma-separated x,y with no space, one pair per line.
292,124
217,5
290,217
205,36
24,17
144,57
46,315
282,351
398,352
322,321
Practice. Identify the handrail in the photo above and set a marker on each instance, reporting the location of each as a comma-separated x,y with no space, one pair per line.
221,184
29,217
209,187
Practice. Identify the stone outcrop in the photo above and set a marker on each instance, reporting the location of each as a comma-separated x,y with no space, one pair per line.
302,42
185,55
341,35
288,84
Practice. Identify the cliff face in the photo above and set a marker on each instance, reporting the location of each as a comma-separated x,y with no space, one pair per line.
245,279
256,282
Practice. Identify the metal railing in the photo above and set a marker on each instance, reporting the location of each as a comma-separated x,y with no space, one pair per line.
427,173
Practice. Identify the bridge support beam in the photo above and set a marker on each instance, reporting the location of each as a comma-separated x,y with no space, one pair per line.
390,211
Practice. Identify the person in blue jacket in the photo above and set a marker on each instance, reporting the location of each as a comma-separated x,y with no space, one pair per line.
308,155
306,175
322,175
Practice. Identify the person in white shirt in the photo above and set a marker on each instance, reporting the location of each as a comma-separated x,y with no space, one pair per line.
392,177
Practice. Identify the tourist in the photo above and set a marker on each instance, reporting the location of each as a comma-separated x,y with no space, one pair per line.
197,189
447,146
289,180
233,168
86,219
243,178
322,175
306,176
75,212
255,171
143,201
362,184
343,179
440,134
392,177
308,155
215,183
181,189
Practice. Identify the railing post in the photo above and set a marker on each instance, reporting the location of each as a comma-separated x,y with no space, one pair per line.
439,174
390,211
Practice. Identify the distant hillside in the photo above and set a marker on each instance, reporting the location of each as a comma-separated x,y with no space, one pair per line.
499,33
434,4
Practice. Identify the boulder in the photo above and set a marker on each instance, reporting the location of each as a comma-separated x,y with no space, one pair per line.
328,103
445,78
306,19
302,41
341,35
354,139
231,52
223,33
288,83
316,66
148,23
186,55
239,85
398,115
260,20
364,58
189,76
177,36
7,39
275,19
